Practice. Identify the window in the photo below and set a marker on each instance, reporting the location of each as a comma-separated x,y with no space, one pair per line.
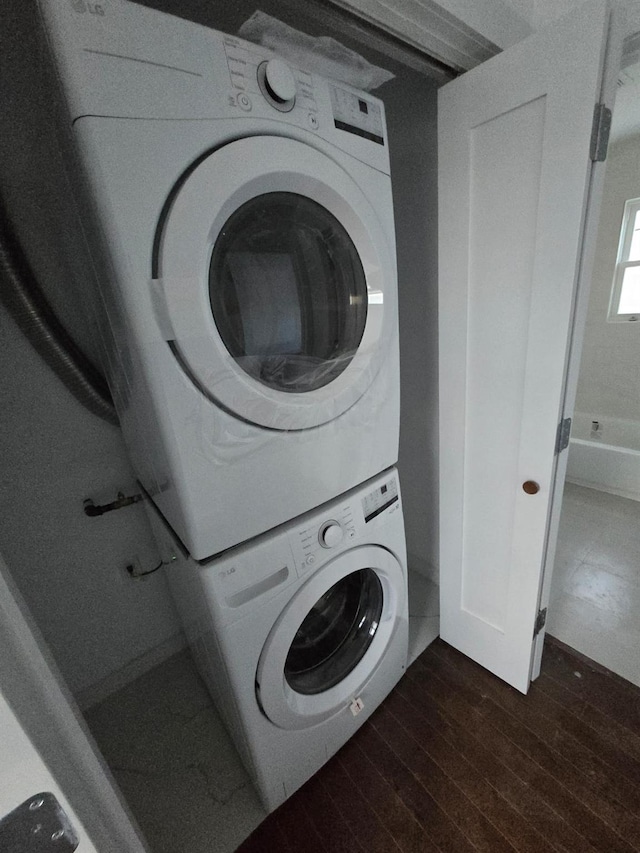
625,294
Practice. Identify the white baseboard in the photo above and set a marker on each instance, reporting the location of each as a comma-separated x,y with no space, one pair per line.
94,693
632,495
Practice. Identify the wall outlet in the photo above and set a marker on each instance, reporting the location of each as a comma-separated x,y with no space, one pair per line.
596,429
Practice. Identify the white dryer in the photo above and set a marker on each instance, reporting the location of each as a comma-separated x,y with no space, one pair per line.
241,222
302,632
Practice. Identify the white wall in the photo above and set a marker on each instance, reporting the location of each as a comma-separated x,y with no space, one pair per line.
609,382
537,13
540,13
503,22
69,568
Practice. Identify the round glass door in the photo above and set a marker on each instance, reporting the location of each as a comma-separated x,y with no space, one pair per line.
336,633
288,292
276,283
332,636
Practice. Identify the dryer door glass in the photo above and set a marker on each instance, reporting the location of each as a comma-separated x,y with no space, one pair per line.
288,292
336,633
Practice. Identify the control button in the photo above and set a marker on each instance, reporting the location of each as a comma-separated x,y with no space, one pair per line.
313,121
244,102
310,559
280,81
331,534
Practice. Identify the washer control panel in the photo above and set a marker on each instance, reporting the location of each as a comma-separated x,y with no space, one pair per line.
380,499
314,542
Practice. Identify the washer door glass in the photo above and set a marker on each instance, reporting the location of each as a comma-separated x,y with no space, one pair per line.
336,633
288,292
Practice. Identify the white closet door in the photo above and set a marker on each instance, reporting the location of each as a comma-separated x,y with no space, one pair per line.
515,169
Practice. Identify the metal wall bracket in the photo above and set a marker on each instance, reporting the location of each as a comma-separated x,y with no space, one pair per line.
39,825
121,501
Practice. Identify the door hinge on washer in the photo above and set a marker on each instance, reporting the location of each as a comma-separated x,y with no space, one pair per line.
541,621
600,133
563,434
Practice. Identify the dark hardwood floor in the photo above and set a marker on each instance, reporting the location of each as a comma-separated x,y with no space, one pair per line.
457,761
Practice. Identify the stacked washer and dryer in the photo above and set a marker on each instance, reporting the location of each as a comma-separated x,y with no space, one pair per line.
241,226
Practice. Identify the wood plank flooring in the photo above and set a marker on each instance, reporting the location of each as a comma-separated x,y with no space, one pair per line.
456,761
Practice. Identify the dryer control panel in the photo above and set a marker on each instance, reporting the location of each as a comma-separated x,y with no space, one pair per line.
283,88
357,114
136,62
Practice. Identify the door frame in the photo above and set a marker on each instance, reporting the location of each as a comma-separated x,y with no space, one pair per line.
38,697
457,33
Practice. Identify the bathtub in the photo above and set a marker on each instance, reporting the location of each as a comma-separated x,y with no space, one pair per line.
606,457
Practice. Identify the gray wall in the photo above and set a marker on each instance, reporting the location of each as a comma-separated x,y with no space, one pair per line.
71,568
411,103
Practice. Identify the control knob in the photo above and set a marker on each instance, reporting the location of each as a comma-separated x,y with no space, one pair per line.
280,80
331,534
277,84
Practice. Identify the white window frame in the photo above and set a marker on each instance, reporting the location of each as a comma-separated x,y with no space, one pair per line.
631,207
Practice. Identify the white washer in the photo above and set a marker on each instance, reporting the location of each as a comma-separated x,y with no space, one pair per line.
302,632
241,220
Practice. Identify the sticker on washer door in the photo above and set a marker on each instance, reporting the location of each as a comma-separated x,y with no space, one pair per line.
356,706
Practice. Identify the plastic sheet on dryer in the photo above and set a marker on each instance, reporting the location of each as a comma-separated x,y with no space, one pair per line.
323,55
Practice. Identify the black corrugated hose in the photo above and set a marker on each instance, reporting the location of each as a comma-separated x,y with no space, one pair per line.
22,296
